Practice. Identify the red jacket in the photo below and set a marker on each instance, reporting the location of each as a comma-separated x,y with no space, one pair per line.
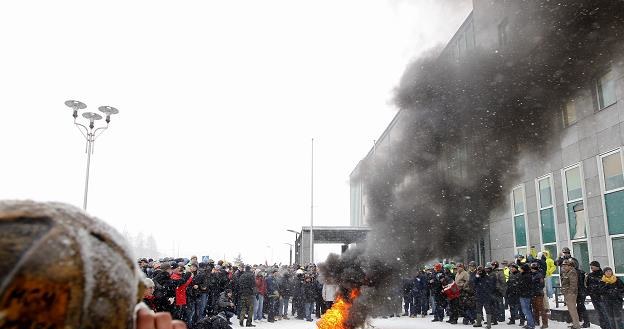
181,290
261,285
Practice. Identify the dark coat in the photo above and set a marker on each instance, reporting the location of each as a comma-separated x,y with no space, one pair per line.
525,290
537,283
594,285
419,286
247,284
285,286
612,293
272,286
308,292
485,287
407,285
513,288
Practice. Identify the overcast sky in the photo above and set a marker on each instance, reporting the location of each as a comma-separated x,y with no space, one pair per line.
218,103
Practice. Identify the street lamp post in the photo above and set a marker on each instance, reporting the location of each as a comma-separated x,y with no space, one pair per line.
290,255
90,132
296,238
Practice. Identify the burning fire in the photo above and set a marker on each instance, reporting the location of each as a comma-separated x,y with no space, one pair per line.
337,315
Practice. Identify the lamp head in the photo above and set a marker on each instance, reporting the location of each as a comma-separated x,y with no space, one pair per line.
75,105
91,117
108,111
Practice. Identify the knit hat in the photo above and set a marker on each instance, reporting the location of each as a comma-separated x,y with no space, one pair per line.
607,268
594,263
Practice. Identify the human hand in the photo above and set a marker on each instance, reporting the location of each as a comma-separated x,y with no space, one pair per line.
147,319
195,287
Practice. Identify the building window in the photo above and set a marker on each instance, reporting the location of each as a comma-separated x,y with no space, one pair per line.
618,254
612,179
503,33
569,113
605,89
546,210
576,215
547,217
519,220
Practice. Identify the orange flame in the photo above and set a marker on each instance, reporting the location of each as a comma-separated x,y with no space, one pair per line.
337,315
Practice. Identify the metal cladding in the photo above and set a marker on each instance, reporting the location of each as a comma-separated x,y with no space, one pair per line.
63,269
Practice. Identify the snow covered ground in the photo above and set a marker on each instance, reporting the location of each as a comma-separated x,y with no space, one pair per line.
392,323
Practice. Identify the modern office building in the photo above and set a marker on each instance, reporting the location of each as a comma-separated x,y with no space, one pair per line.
573,196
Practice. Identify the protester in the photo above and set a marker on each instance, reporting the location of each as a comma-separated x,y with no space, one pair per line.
569,289
594,284
513,295
612,291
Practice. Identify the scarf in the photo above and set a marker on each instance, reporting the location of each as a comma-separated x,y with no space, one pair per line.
609,279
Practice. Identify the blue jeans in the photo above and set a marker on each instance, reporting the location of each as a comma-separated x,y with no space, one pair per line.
258,305
525,303
549,287
283,308
308,310
200,305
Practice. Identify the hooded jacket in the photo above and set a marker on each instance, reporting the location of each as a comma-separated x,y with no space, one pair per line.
550,264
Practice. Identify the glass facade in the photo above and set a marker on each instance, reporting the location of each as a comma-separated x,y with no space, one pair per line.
547,217
520,228
573,184
577,220
612,171
618,254
580,251
605,88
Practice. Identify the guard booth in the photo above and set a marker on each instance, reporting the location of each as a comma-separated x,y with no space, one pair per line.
345,235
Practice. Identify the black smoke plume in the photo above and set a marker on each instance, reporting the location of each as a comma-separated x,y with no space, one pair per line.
464,127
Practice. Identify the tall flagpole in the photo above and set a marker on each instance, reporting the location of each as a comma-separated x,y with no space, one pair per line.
312,207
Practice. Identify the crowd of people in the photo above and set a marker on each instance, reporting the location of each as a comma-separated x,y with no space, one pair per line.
524,286
207,295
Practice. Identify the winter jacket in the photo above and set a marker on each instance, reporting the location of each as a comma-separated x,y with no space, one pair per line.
201,280
224,302
182,282
501,284
261,287
285,286
513,288
407,287
484,286
550,264
308,292
272,287
569,282
594,285
525,290
537,283
246,284
612,293
462,279
419,286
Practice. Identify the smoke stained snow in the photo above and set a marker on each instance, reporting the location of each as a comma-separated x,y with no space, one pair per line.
464,127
